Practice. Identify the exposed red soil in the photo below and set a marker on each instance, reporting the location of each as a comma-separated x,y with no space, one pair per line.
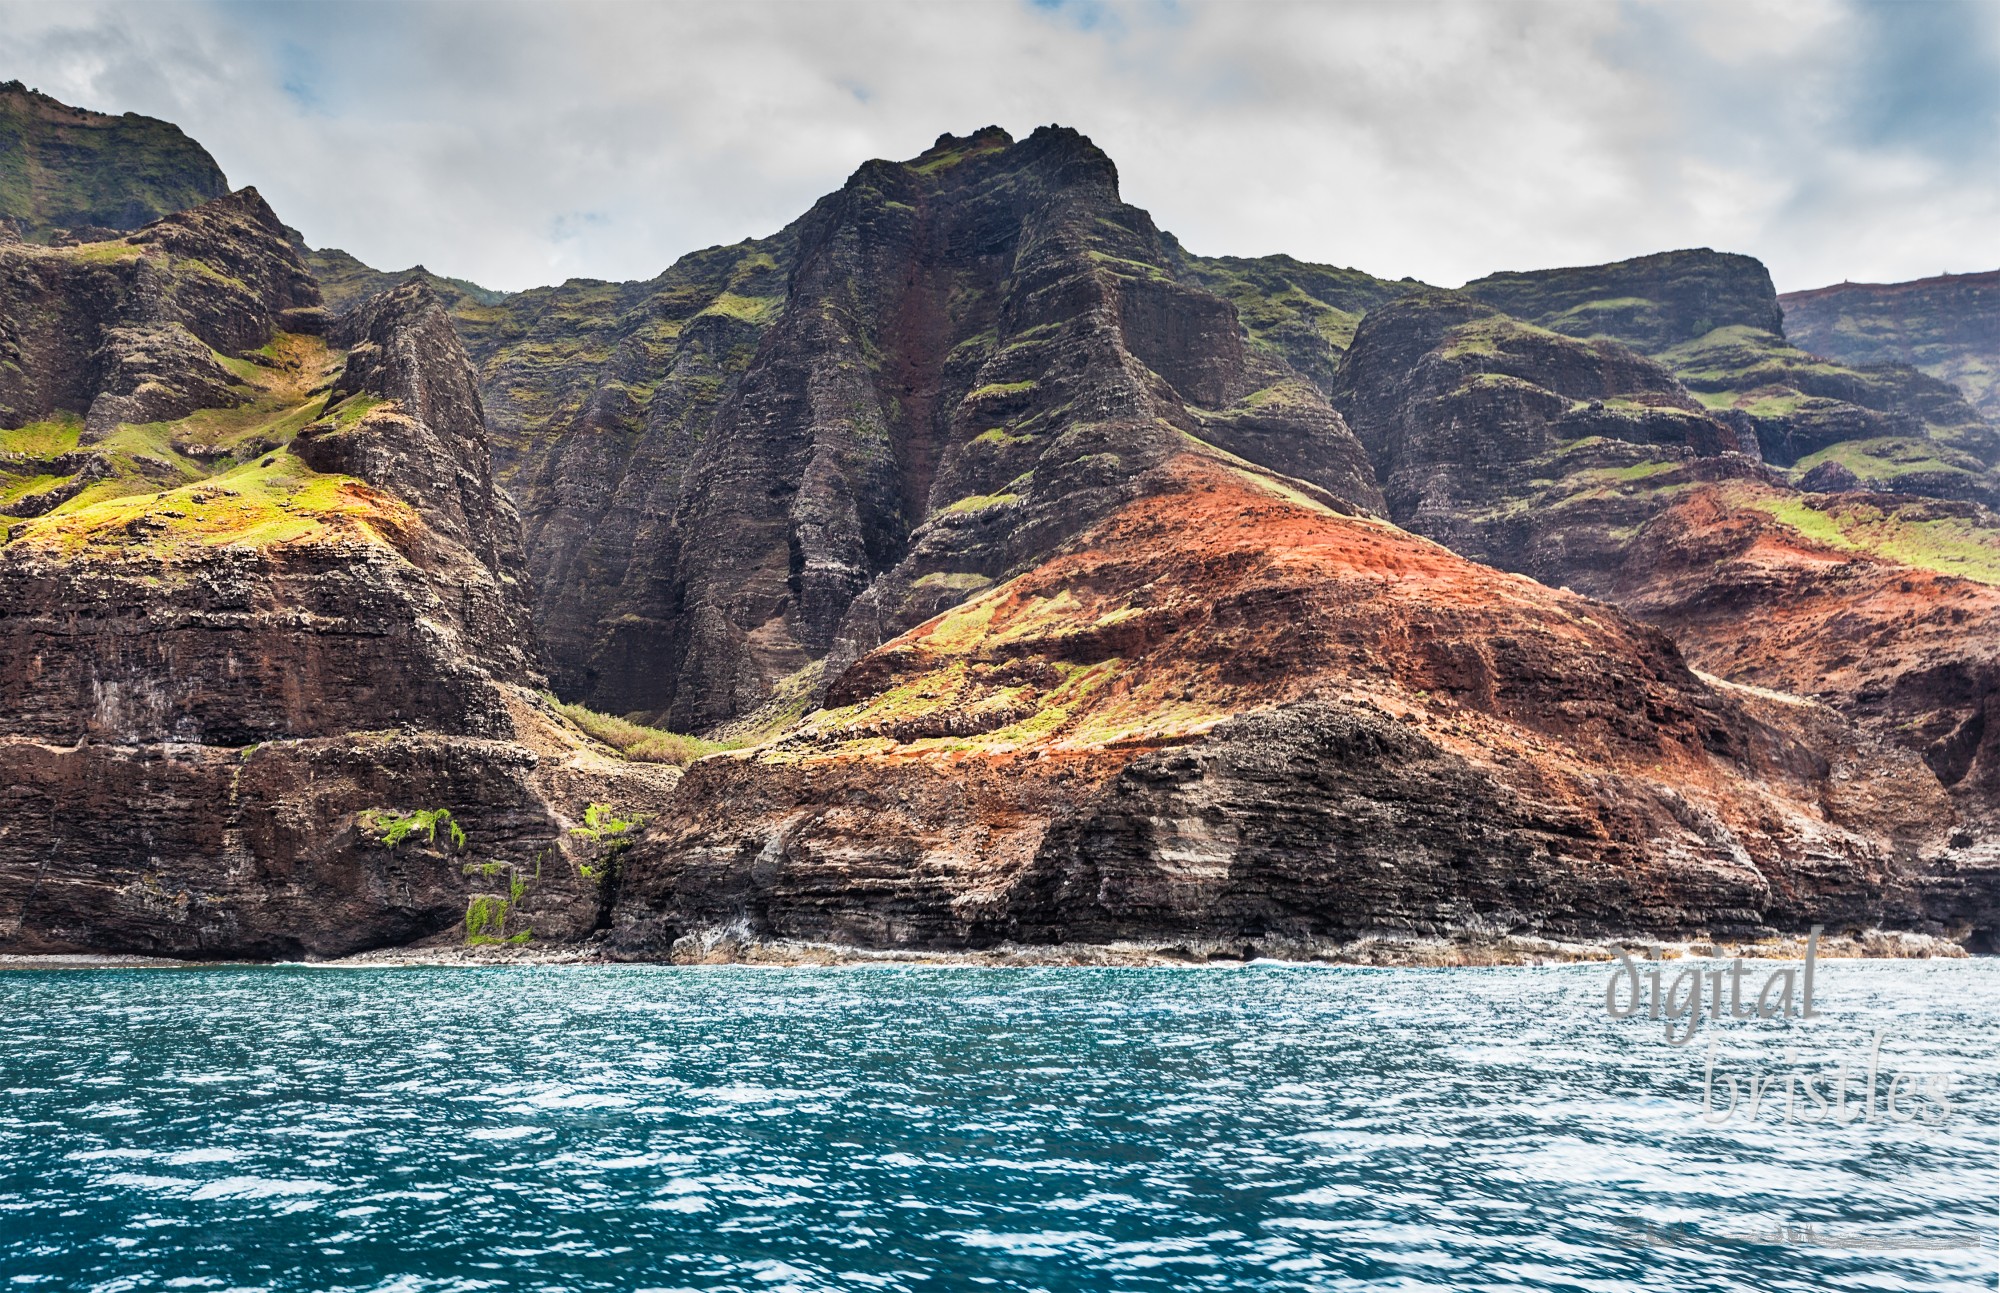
1911,653
917,807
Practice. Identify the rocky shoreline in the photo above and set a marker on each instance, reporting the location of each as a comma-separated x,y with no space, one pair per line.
721,947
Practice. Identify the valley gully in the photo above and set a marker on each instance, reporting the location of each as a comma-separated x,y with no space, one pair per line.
1857,1089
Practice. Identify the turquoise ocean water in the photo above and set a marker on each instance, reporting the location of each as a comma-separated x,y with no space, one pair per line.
1263,1127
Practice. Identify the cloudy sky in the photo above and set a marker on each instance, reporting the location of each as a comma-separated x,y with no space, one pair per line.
524,144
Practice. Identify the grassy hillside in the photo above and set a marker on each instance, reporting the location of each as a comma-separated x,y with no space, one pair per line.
64,168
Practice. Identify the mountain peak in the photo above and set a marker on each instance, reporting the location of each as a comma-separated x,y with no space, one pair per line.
986,137
1073,148
1075,158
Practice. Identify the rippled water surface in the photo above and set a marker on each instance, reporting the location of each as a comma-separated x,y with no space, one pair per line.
895,1128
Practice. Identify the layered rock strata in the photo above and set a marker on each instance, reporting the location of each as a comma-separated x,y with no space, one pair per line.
1947,326
267,679
1586,465
1229,711
917,389
1027,556
1716,321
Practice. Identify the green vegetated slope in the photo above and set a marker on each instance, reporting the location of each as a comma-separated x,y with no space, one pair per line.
1303,312
63,168
154,383
1715,320
217,477
258,598
1492,434
1948,326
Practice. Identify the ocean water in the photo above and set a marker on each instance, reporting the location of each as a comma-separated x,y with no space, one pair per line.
1261,1127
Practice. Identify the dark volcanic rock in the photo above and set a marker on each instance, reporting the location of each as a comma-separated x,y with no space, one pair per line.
929,381
190,850
1829,478
429,445
1301,312
345,282
399,609
235,645
1496,437
1716,321
246,277
1323,819
978,457
1651,303
157,373
410,617
130,321
596,448
1474,421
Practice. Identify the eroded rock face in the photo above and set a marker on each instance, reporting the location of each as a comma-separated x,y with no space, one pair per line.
1228,713
218,697
977,457
1496,437
1949,327
192,615
1715,320
1515,447
156,373
1322,819
429,445
233,646
129,322
935,376
1910,653
254,280
188,850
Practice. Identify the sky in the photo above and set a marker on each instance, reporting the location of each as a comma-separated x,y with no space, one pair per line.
519,144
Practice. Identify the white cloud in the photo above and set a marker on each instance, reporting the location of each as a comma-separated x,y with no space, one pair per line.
519,144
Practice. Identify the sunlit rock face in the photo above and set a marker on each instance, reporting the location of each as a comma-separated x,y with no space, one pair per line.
258,591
